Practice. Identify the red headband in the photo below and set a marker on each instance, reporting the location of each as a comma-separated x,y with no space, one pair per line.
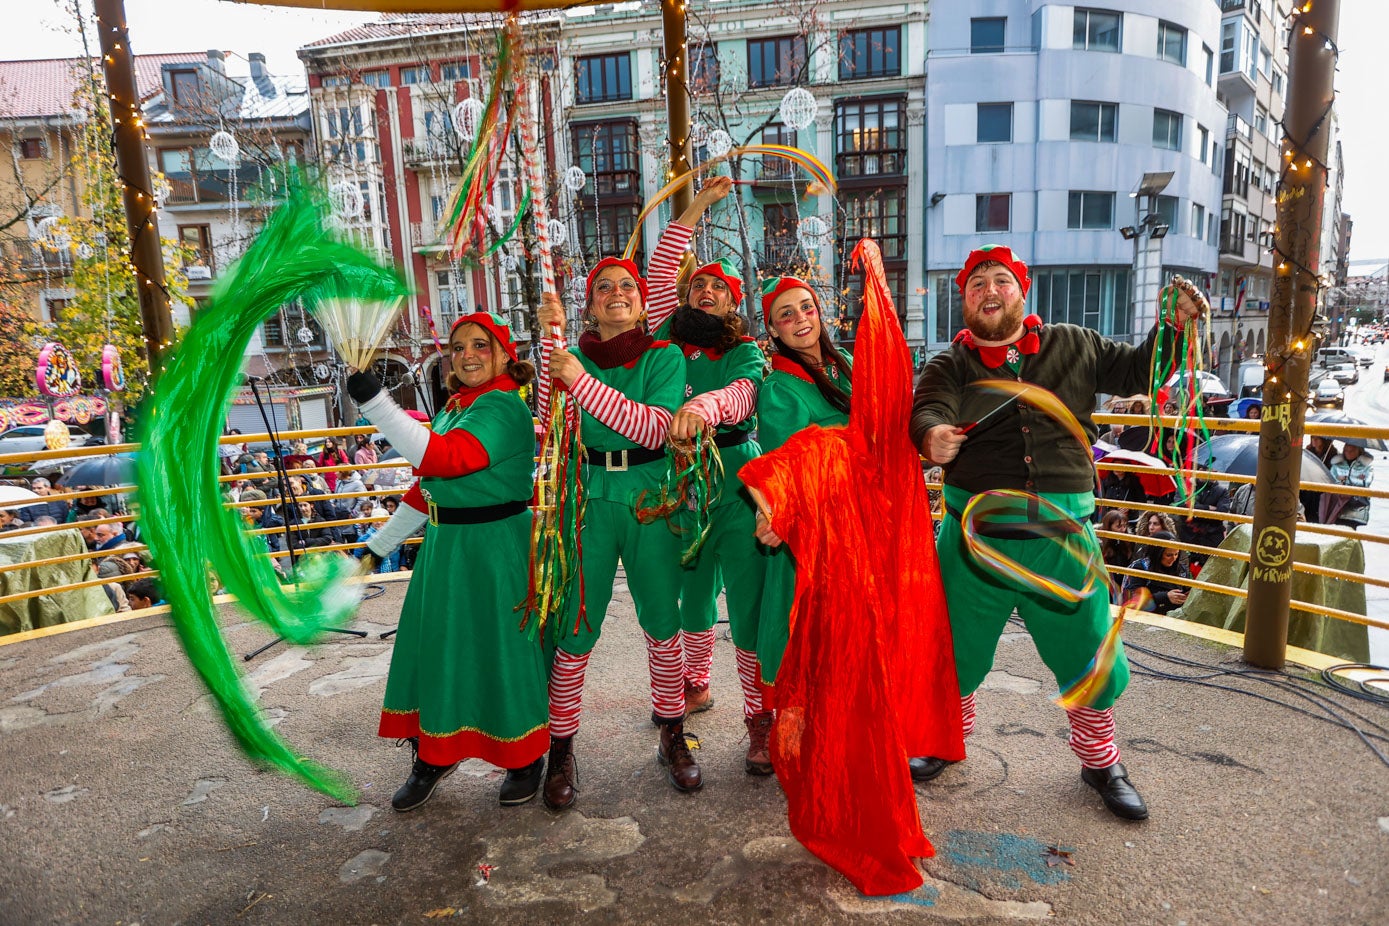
782,284
721,270
994,253
622,262
493,325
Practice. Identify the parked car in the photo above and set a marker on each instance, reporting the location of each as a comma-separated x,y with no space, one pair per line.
29,439
1329,394
1366,356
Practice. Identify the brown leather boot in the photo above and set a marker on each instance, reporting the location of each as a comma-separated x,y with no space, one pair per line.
674,754
759,758
561,775
698,698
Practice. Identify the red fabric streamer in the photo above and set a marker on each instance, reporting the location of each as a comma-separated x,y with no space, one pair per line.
868,679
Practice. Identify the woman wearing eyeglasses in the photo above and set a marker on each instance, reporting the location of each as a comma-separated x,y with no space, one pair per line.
627,385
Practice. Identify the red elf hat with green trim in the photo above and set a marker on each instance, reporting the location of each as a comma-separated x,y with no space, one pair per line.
723,269
994,253
775,286
625,264
493,325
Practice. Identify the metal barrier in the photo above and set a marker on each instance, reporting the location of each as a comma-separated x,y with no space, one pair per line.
1217,425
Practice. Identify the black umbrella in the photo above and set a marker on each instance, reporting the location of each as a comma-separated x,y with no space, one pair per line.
101,471
1238,454
1337,417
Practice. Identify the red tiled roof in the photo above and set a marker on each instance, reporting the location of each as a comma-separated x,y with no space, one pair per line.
392,25
45,87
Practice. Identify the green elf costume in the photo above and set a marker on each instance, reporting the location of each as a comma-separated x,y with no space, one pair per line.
464,682
792,399
630,387
1019,447
723,370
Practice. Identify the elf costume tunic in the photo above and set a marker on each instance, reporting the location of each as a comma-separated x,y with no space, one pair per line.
788,402
722,386
463,678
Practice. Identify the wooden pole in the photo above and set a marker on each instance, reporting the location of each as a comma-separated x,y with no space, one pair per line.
677,61
1301,191
128,125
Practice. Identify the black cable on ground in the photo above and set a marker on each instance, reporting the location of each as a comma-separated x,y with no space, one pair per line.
1361,689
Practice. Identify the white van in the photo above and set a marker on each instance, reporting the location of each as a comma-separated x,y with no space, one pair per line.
1335,356
1251,379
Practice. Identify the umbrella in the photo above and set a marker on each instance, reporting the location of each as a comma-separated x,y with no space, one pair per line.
1209,383
1331,416
1239,454
101,471
1241,407
1155,484
16,497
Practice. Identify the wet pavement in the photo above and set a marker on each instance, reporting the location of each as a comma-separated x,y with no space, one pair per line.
123,801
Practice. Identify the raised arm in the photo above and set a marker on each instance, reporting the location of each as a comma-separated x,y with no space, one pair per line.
664,267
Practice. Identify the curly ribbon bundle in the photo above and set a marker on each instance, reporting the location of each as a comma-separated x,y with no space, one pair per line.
1002,507
692,474
822,180
433,331
1083,691
185,524
1185,364
466,226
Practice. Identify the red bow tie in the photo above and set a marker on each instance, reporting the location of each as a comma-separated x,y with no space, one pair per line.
994,356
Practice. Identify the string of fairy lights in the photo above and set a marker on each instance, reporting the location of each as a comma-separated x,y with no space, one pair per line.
1298,162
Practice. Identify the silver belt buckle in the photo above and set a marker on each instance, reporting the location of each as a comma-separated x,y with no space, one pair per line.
616,467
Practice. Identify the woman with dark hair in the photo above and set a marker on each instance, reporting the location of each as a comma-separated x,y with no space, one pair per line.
332,455
1115,552
464,682
810,383
724,368
1150,523
627,386
1163,561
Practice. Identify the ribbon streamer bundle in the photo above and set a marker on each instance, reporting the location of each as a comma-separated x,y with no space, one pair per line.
689,484
1182,367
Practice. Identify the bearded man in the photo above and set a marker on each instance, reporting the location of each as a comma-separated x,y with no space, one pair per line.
1019,447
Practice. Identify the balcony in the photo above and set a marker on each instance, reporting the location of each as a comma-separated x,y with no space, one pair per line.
427,152
427,237
37,258
781,252
1235,126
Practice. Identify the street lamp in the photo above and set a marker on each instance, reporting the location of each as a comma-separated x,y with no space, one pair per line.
1147,256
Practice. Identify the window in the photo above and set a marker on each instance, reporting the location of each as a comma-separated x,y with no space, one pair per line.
776,62
415,75
609,153
777,168
198,239
31,148
991,212
1171,43
605,229
870,53
781,249
1093,298
880,215
1260,119
986,35
1096,30
1229,36
1238,172
334,81
1093,121
602,78
1209,57
57,311
1090,210
345,135
196,175
452,296
1198,220
1167,129
869,137
995,122
704,68
1203,141
186,86
455,71
1167,211
1278,83
377,78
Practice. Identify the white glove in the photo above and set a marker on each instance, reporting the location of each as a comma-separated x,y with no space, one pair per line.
406,435
393,533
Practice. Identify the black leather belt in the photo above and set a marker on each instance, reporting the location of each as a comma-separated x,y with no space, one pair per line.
442,514
1020,530
618,461
731,438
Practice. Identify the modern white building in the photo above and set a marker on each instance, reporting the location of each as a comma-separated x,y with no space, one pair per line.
1043,120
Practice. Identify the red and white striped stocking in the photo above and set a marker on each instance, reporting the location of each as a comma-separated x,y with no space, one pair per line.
1092,736
665,660
967,712
750,677
566,693
699,656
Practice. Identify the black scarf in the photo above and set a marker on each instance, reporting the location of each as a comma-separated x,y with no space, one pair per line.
618,350
692,326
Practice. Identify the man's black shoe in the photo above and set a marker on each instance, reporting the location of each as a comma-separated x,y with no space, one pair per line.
418,788
522,784
1118,793
926,768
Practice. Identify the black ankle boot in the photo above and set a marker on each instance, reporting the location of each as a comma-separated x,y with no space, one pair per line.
522,784
424,778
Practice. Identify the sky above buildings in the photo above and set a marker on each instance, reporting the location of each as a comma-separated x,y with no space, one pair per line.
44,28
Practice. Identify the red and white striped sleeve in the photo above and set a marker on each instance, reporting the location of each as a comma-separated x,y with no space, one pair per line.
729,405
642,424
662,271
543,382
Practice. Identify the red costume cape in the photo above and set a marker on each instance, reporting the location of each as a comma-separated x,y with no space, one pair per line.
869,674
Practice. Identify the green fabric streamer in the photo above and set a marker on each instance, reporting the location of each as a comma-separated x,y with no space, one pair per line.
184,521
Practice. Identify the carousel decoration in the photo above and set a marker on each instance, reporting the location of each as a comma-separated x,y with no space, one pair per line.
56,373
112,373
56,435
